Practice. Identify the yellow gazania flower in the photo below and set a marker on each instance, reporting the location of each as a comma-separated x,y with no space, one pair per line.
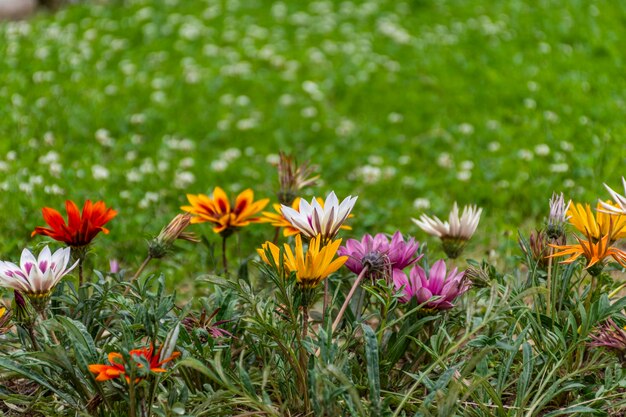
217,210
599,225
316,264
278,219
311,266
594,252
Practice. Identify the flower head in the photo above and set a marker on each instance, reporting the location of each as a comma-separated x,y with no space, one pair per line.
620,201
436,283
118,368
537,247
159,246
320,219
36,277
293,177
599,225
379,254
204,325
278,219
81,228
455,232
218,210
611,336
558,216
593,251
311,265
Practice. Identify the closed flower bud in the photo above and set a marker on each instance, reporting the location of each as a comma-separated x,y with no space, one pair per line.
160,245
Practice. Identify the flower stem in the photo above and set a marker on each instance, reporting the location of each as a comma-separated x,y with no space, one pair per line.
138,273
224,257
304,356
33,338
326,301
348,298
80,271
549,284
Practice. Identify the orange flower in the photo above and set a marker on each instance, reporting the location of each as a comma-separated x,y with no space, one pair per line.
118,368
217,210
278,219
593,252
80,229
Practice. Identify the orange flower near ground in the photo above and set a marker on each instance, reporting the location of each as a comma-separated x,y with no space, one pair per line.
593,252
80,229
118,368
218,210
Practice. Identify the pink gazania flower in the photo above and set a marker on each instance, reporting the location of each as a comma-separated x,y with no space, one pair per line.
436,284
313,219
379,254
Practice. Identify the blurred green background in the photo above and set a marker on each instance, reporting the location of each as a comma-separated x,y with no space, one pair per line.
411,105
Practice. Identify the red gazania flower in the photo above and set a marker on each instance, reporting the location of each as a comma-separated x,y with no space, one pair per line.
118,367
80,228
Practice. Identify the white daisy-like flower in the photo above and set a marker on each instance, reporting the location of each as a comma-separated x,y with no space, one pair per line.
313,219
456,231
457,228
620,201
36,277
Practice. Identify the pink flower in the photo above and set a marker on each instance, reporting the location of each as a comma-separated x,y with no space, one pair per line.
379,253
437,284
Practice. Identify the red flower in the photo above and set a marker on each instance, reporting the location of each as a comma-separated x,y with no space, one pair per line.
118,368
80,229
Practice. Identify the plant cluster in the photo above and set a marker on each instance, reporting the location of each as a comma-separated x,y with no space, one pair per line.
294,333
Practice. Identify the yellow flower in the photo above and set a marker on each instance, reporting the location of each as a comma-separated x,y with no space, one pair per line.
598,226
311,266
217,210
594,252
316,264
278,219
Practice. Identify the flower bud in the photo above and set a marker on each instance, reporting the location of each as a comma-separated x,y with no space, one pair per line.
160,245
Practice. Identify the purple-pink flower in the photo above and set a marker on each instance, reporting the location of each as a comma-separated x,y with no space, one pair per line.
378,253
436,284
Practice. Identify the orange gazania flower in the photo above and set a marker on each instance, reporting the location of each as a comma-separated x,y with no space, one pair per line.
598,225
278,219
593,251
217,210
118,368
80,229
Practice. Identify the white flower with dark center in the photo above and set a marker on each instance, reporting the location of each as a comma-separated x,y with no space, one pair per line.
313,219
36,277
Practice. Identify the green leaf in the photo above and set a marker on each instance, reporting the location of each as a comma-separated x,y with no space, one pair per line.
373,374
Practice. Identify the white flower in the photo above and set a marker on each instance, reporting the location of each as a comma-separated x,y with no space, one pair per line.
99,172
39,275
421,203
320,219
620,200
455,228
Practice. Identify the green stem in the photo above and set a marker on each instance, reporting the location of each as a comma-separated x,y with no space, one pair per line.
131,394
549,285
138,273
304,357
224,258
33,338
80,272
